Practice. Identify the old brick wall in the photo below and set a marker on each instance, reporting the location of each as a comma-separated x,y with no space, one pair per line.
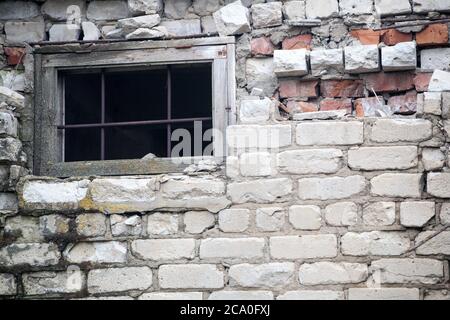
327,205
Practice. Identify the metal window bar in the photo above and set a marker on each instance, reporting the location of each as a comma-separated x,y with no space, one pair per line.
103,124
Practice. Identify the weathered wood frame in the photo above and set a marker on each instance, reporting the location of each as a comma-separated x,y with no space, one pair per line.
49,60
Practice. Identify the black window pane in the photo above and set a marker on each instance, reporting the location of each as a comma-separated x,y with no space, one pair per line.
135,142
136,96
82,98
82,144
198,142
191,91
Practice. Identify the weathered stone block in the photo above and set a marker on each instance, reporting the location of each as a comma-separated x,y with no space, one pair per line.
445,213
388,7
397,185
330,188
97,252
440,244
383,294
126,225
256,164
294,10
256,111
423,6
440,81
233,248
205,7
241,295
379,214
131,24
15,10
10,149
91,224
355,7
40,283
330,133
432,103
305,217
327,62
310,161
264,275
260,74
8,124
362,59
232,19
312,295
107,10
234,220
11,98
407,271
401,130
402,56
289,63
270,219
32,254
266,15
303,247
432,59
321,9
382,158
8,203
164,249
54,225
341,214
438,184
377,243
64,10
326,273
190,276
197,222
24,229
119,279
416,214
162,224
260,191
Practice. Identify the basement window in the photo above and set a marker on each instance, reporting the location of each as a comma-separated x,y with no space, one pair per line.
125,108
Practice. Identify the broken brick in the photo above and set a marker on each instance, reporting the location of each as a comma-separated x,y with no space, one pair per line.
14,55
434,34
336,104
342,88
389,82
297,88
391,37
261,47
422,81
302,41
405,104
301,106
362,106
366,36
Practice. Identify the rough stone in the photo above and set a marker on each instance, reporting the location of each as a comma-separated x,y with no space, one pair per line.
330,133
235,248
270,275
234,220
402,56
262,46
312,295
445,213
164,249
406,271
288,63
321,9
377,243
303,247
91,224
31,254
189,276
10,149
97,252
8,124
388,7
379,214
438,184
355,7
256,111
131,24
256,164
260,191
305,217
266,15
241,295
64,10
260,74
107,10
26,229
54,225
382,158
39,283
162,224
90,31
270,219
416,214
232,19
383,294
330,188
440,81
11,98
144,33
138,7
325,273
119,279
341,214
8,203
15,80
423,6
311,161
397,185
401,130
126,225
197,222
294,10
327,62
362,59
440,244
432,159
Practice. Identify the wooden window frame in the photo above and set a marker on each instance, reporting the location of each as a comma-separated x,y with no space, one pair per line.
51,59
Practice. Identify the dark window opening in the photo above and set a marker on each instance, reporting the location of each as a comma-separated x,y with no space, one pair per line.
113,114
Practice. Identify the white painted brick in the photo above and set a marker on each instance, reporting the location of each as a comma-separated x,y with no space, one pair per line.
24,229
270,219
172,296
305,217
389,7
260,137
438,184
312,295
126,225
362,59
341,214
436,58
416,214
383,158
402,56
241,295
436,295
327,62
401,130
303,247
397,185
290,63
119,279
270,275
383,294
260,191
377,243
232,167
232,248
379,214
321,9
325,273
330,188
310,161
329,133
190,276
91,224
440,244
256,164
234,220
196,222
407,271
164,249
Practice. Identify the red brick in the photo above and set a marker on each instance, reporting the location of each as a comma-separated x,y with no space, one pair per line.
434,34
404,104
302,41
297,88
391,37
301,106
14,55
362,104
336,104
342,88
389,82
367,36
262,47
422,81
